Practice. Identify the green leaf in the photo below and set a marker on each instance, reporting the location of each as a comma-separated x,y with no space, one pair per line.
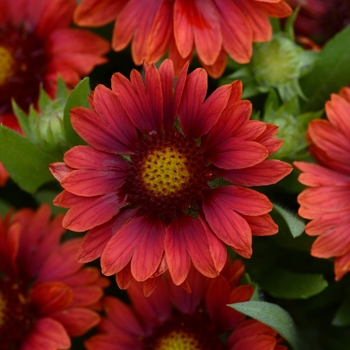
285,284
273,316
342,316
22,118
294,223
77,98
25,162
330,73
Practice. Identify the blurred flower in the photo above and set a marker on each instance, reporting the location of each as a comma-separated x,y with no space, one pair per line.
327,200
214,28
148,181
37,45
45,295
320,20
171,318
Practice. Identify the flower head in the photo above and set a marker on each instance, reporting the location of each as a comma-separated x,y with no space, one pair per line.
171,318
213,28
45,295
37,45
147,187
327,199
319,19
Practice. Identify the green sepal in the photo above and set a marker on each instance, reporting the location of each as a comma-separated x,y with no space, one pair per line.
77,98
26,163
294,223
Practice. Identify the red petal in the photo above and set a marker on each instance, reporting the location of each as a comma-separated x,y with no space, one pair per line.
90,212
230,227
237,154
236,31
109,108
183,31
96,13
46,334
50,297
176,253
135,101
268,172
151,239
96,239
338,113
77,321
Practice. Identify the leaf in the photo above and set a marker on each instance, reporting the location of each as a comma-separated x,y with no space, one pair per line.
342,316
331,72
285,284
22,118
27,164
273,316
77,98
294,223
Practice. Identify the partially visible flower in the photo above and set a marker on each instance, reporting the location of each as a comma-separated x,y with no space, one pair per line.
320,20
172,318
213,28
151,178
37,45
327,200
45,295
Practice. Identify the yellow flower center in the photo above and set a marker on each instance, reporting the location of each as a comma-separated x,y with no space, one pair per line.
6,64
178,340
165,172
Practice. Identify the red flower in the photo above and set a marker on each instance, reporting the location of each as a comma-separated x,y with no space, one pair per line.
144,185
37,45
172,318
320,19
45,295
214,28
327,200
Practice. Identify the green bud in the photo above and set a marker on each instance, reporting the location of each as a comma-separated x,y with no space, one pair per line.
279,64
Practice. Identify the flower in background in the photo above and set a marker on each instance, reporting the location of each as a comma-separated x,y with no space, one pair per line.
37,45
327,200
214,28
45,295
149,185
171,318
320,20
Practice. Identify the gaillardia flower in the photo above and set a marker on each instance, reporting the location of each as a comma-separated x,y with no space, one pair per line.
327,200
171,318
214,28
37,45
45,295
147,186
320,20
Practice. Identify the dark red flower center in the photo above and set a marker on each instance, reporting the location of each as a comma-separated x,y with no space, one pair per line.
168,173
185,332
22,67
16,318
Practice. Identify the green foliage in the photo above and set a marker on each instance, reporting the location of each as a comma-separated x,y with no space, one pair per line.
330,73
273,316
78,97
284,284
26,163
294,223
